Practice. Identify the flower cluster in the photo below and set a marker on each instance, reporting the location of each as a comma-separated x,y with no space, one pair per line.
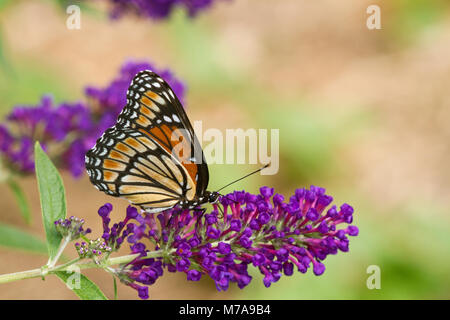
52,125
106,103
71,228
156,9
243,229
67,130
115,235
92,249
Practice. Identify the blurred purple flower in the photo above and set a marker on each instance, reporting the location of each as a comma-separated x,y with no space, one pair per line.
51,125
109,101
156,9
66,131
287,237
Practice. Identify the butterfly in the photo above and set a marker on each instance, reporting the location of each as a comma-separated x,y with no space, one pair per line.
151,156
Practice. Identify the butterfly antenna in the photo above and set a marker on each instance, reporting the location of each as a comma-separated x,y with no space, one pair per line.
251,173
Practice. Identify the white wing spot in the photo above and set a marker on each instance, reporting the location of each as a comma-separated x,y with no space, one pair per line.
166,95
103,152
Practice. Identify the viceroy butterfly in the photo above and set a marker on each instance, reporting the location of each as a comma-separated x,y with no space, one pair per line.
152,156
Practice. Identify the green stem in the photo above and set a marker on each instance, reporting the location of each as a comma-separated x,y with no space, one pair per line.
51,263
37,273
65,265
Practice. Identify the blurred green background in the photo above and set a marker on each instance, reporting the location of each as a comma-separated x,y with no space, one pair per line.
363,113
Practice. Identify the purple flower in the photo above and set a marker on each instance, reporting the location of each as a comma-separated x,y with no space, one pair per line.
183,264
68,130
288,268
312,214
184,250
263,218
224,248
352,231
194,275
245,242
111,99
143,292
92,249
298,235
318,268
48,123
194,241
282,254
71,228
258,259
132,212
212,233
266,192
156,9
235,225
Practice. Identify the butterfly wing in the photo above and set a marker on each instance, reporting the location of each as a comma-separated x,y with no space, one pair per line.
151,156
153,108
127,163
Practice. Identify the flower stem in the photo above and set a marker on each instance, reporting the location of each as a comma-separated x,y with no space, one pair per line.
51,263
36,273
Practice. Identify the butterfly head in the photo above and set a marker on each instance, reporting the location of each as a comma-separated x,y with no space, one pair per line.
212,197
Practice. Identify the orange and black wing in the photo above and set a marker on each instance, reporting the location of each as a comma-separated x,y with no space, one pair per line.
154,109
127,163
151,156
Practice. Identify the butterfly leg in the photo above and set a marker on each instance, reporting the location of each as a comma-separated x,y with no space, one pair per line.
221,212
172,216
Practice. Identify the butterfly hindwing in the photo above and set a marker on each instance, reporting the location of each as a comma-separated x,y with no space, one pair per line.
128,163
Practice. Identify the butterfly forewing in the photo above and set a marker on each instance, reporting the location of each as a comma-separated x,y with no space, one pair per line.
151,156
153,107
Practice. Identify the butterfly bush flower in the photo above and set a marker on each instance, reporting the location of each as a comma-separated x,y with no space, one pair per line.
156,9
54,125
92,248
71,228
67,130
107,102
265,231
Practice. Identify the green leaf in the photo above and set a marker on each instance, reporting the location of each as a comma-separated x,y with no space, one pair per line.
53,200
84,288
21,200
14,238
